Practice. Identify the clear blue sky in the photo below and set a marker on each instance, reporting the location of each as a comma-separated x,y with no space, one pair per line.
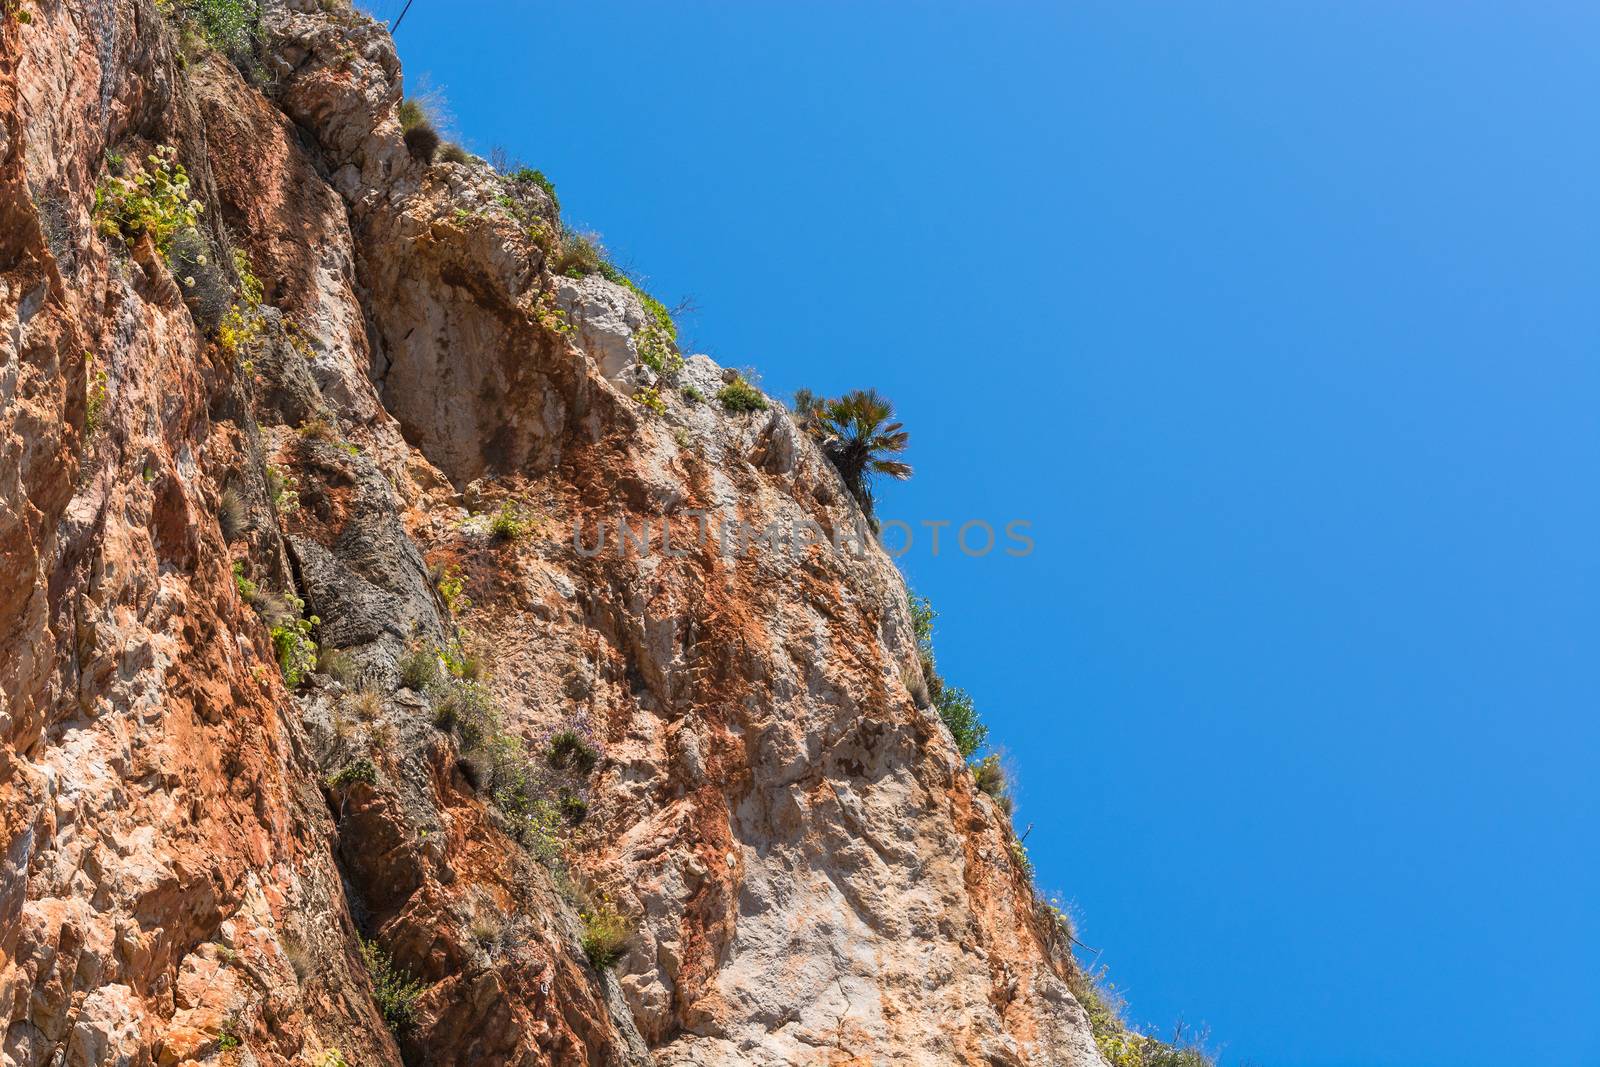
1280,322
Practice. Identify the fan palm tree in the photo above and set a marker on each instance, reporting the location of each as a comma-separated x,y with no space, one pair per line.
859,436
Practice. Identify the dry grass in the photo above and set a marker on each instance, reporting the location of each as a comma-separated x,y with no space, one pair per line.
366,703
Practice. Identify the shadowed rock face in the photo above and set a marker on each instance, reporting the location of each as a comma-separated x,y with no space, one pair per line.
191,850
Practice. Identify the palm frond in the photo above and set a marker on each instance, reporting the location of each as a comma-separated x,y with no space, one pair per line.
858,433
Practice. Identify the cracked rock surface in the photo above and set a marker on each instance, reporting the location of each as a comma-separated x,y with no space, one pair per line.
203,853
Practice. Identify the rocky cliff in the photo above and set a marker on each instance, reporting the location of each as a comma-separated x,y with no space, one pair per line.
323,740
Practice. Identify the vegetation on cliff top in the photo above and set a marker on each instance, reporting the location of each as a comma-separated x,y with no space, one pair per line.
740,396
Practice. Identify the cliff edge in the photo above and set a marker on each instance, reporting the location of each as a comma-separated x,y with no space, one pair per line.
331,732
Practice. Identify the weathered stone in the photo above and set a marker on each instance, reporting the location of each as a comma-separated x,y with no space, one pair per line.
189,847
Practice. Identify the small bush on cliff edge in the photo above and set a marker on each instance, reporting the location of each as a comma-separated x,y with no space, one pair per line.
956,708
418,127
578,254
94,404
989,775
248,590
1119,1044
243,325
740,396
960,717
530,176
510,523
422,142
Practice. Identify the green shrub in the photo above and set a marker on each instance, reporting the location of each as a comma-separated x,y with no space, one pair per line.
94,403
394,991
361,770
248,590
454,153
232,27
568,749
1019,856
650,398
573,806
154,201
411,113
467,709
509,523
577,255
660,316
955,706
740,396
458,661
922,616
989,775
292,643
605,934
419,669
1121,1046
961,719
283,488
537,809
529,176
809,410
657,351
523,797
693,395
243,325
452,586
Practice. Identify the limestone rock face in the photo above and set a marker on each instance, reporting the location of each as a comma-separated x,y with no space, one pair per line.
581,661
606,318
